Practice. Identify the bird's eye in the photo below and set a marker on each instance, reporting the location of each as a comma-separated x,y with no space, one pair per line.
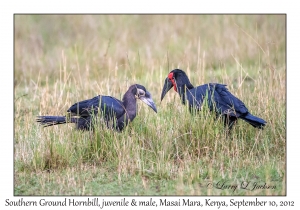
141,93
171,76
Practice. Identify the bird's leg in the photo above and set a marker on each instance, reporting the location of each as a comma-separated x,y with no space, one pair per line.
226,120
226,125
232,121
229,122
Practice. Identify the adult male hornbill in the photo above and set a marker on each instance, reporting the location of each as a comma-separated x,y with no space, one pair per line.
110,109
219,99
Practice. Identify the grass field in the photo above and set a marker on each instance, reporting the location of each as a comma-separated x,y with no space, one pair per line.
62,59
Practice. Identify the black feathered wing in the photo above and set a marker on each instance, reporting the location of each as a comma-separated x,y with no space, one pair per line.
218,98
109,106
227,103
223,102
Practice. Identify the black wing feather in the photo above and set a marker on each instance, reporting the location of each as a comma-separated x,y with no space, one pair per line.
218,96
108,105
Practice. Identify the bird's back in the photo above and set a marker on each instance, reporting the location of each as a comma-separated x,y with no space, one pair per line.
108,105
218,97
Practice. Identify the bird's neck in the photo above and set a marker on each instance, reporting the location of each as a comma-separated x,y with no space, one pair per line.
182,91
130,105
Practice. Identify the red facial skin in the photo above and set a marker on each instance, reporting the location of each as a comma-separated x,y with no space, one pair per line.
171,78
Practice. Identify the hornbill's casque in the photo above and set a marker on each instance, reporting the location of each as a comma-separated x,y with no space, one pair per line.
219,99
109,108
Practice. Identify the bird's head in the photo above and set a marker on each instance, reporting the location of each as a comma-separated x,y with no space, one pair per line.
141,93
177,79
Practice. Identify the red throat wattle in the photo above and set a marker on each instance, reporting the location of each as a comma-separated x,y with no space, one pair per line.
171,78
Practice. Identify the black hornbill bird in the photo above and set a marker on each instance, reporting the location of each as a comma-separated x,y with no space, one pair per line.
219,99
110,109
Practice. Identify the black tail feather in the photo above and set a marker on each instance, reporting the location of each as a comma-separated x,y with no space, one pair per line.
81,123
254,121
51,120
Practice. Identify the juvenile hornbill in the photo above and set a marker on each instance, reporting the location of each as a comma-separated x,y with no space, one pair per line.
108,108
219,99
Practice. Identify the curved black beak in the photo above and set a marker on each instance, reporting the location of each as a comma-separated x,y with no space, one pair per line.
147,99
167,86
